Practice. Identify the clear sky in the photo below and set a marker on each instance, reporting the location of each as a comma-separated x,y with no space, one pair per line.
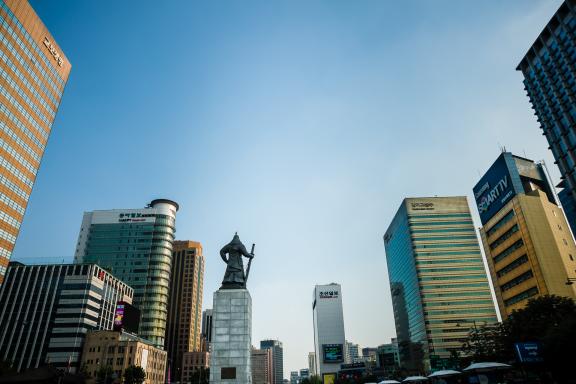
300,124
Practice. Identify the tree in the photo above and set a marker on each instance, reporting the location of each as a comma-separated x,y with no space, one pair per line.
134,375
104,375
487,343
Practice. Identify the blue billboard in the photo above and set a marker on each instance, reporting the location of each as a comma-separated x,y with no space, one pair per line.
529,352
497,187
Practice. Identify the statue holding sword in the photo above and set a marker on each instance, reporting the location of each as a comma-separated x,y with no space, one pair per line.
231,253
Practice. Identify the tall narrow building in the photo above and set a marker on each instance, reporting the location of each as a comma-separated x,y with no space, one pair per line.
136,246
439,285
528,245
328,323
277,359
549,69
183,332
33,74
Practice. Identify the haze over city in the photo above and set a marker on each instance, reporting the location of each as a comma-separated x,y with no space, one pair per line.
301,125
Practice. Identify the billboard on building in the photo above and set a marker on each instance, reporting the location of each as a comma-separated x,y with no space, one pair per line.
494,190
333,353
126,318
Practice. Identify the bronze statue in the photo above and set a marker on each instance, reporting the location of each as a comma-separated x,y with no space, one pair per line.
235,278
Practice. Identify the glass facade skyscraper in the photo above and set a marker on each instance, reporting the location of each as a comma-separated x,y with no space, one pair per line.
549,69
136,246
33,74
439,285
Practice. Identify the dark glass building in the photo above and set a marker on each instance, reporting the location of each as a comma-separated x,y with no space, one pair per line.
549,69
438,281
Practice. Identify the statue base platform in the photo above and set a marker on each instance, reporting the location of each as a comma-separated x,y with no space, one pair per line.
231,337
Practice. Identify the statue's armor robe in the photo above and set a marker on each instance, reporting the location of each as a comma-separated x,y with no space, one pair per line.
235,269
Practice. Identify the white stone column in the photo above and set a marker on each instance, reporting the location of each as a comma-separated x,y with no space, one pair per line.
231,337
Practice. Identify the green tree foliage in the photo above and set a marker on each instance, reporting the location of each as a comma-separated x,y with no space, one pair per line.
549,320
134,375
104,375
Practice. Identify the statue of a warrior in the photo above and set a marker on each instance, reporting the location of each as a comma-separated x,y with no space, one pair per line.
232,253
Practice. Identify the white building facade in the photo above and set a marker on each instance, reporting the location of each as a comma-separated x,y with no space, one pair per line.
329,337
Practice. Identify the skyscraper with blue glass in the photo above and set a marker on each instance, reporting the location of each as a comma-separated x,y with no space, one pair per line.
439,285
549,69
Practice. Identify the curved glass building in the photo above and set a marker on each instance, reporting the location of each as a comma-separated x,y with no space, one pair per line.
136,246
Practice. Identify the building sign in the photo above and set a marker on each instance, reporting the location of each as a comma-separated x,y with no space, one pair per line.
126,317
329,294
417,206
119,315
48,44
494,190
529,352
134,217
333,353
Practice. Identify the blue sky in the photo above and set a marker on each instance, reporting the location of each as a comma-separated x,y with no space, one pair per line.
300,124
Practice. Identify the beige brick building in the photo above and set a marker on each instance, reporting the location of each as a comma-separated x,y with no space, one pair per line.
192,362
119,351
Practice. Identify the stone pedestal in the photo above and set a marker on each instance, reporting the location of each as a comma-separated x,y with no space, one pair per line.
231,337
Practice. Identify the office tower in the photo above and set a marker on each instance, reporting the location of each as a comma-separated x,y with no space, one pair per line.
312,364
207,326
351,352
34,72
262,366
304,374
294,379
183,325
277,358
528,244
328,322
192,362
46,310
550,82
437,277
118,351
389,358
569,207
136,246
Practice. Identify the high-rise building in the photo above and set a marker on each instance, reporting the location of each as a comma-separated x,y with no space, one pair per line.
136,246
262,366
528,244
312,363
437,277
304,374
550,82
183,327
46,310
207,327
351,352
294,378
34,72
328,322
389,358
118,351
277,358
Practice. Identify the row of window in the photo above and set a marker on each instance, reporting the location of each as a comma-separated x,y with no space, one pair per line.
4,109
517,280
448,237
29,101
453,277
506,218
456,303
13,187
505,236
512,266
447,245
9,220
29,70
521,296
24,33
449,261
456,294
16,172
442,230
4,128
43,132
8,148
426,223
505,253
11,203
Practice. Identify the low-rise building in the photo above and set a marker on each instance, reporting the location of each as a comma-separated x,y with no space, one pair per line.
192,362
119,350
262,366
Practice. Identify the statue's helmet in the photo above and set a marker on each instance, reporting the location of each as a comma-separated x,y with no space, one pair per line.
235,240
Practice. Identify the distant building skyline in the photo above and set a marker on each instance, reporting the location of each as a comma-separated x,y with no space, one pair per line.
277,358
30,97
